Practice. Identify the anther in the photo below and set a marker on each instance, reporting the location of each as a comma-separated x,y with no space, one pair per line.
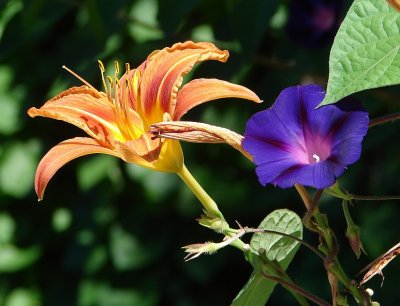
316,157
101,65
110,80
116,67
102,70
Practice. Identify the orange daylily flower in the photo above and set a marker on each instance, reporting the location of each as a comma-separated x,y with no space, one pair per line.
118,120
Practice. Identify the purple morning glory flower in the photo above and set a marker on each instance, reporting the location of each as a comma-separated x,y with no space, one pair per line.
294,143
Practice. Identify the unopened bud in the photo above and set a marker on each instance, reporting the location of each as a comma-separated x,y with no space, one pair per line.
353,235
195,250
352,232
217,224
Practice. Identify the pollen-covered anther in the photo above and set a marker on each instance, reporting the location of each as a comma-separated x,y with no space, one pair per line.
316,157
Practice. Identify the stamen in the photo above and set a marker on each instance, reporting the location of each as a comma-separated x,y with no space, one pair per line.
110,86
116,68
102,70
101,65
316,157
78,77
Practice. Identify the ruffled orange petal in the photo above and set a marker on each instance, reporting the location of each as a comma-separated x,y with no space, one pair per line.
61,154
85,108
163,74
203,90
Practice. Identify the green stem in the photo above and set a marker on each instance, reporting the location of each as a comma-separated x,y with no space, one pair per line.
335,191
349,219
373,198
329,247
332,262
239,244
297,289
208,203
211,208
301,241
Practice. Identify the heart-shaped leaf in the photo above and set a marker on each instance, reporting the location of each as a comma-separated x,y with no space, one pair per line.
365,53
278,249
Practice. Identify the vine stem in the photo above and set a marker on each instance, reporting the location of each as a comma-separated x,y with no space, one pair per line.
301,241
305,196
297,289
329,248
373,198
384,119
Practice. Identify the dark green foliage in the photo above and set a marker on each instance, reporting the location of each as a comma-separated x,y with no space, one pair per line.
108,233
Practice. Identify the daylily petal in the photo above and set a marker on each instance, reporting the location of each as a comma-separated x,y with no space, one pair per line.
203,90
89,110
164,71
165,158
83,107
61,154
198,133
141,151
171,157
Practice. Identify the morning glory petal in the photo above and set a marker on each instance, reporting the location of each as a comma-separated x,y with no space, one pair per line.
292,142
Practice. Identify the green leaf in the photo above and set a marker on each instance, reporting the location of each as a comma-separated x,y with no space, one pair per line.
165,182
103,294
172,13
17,168
144,26
365,53
7,228
127,252
9,11
62,219
13,259
22,296
278,249
92,171
254,19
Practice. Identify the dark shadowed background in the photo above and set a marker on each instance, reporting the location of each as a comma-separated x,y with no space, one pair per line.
109,233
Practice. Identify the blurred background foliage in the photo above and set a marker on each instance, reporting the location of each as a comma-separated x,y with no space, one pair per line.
109,233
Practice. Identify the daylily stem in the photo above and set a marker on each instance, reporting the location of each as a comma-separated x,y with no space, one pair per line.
212,209
208,203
